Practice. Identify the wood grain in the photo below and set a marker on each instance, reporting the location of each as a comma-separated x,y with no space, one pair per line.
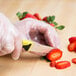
31,65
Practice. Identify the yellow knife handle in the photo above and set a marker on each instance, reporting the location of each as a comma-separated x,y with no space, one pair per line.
26,44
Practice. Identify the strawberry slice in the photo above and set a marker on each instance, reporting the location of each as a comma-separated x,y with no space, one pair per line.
37,16
72,39
74,60
54,55
62,64
72,46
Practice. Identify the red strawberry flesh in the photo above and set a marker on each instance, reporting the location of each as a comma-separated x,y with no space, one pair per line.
54,55
62,64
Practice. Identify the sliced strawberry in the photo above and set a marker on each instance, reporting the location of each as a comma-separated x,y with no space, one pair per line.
72,39
74,60
62,64
54,55
45,19
52,64
37,16
72,46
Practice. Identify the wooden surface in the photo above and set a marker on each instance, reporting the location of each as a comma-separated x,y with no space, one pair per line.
31,65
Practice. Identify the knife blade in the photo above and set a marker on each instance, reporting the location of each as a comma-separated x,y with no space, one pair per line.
34,47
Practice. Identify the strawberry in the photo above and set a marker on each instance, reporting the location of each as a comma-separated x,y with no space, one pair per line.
52,24
48,19
54,55
72,39
24,15
45,19
52,64
37,16
62,64
22,18
72,46
74,60
29,16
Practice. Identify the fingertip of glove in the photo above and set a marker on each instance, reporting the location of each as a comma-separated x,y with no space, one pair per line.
15,58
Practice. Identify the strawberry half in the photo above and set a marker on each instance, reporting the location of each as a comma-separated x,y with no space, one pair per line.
72,46
54,55
62,64
72,39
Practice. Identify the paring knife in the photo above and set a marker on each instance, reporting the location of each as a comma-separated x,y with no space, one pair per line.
35,47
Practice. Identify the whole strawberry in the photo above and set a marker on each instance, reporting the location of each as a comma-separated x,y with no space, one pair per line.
50,20
24,15
37,16
47,19
72,39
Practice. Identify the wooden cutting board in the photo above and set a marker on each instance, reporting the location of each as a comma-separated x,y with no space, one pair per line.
29,64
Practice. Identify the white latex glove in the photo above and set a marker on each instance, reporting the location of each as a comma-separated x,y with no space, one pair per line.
11,36
38,31
10,41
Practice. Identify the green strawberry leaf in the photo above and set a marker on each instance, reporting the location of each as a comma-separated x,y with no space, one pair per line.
24,13
19,15
44,58
52,18
49,19
55,24
48,60
61,27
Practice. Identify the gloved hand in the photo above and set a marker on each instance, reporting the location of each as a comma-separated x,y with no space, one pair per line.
10,41
38,31
11,36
